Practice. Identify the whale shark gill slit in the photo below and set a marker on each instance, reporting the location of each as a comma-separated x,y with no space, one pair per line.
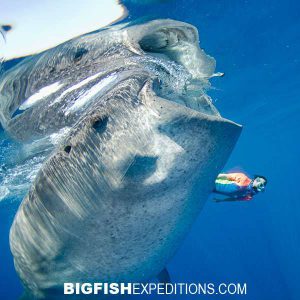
17,112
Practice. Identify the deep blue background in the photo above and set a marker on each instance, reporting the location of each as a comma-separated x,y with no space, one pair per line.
257,45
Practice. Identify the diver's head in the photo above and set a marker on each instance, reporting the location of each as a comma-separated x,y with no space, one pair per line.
259,183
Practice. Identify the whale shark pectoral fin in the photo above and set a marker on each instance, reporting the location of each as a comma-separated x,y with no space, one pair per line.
164,276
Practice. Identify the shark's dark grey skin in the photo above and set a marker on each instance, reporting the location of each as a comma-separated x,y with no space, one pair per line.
144,144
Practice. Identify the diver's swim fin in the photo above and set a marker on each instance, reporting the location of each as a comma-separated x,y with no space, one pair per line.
164,276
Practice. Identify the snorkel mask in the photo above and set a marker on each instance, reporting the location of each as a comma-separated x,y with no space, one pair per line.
259,184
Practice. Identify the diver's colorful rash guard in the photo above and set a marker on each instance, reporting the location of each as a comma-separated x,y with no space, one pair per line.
236,185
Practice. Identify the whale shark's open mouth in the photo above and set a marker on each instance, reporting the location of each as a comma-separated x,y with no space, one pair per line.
182,69
69,78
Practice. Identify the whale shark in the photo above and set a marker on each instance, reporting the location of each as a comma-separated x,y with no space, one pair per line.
140,146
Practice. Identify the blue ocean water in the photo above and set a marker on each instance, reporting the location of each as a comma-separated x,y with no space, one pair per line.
257,45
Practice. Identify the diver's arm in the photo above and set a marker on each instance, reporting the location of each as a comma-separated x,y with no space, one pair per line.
231,176
222,176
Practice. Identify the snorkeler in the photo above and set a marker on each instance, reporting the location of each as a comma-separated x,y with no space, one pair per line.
238,186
